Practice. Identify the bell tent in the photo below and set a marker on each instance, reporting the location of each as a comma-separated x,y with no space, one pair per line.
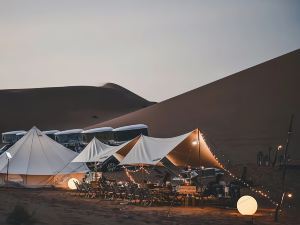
38,161
94,148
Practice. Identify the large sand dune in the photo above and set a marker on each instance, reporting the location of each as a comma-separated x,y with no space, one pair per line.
239,115
65,107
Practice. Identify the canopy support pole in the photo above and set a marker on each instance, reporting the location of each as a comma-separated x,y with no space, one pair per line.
7,170
199,157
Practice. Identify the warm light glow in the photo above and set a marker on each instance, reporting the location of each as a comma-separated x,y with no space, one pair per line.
290,195
195,142
71,183
247,205
279,147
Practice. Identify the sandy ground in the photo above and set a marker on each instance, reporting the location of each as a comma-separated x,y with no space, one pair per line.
62,207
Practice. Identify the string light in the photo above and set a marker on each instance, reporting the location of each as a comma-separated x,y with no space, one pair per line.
129,175
259,192
140,169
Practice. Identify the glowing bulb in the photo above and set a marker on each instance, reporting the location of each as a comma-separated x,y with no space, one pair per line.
195,142
71,183
290,195
279,147
247,205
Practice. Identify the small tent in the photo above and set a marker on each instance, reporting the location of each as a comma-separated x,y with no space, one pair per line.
94,148
38,161
187,149
119,152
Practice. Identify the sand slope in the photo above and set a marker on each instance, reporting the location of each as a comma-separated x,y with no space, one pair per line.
245,112
65,107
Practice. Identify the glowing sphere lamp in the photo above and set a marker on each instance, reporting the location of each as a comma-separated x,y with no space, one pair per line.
71,183
247,205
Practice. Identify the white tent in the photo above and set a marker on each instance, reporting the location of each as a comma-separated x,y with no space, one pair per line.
95,147
117,151
187,149
37,160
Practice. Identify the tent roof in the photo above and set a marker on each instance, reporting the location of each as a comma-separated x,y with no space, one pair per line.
37,154
187,149
117,151
94,148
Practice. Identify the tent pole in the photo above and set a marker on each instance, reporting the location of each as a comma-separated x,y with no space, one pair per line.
7,170
199,155
199,146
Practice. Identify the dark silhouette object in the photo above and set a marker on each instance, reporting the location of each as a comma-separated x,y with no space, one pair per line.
266,160
259,158
269,155
20,215
166,178
244,174
244,178
234,191
285,162
214,188
276,156
281,160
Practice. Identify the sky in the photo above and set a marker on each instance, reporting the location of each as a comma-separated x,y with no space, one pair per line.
156,48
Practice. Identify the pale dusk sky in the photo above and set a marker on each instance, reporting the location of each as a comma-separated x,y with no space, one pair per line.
155,48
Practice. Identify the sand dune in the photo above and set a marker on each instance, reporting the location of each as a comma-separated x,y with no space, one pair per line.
65,107
245,112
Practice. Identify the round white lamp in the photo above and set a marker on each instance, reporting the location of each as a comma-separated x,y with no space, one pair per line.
71,183
247,205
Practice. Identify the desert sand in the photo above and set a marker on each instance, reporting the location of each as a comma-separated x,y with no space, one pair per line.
62,207
67,207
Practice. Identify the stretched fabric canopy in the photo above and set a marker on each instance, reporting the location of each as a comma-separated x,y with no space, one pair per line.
119,152
187,149
37,154
95,147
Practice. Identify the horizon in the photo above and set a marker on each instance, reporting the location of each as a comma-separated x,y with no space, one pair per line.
140,46
103,84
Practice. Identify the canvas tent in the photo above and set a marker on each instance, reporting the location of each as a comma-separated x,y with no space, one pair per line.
94,148
39,161
187,149
119,152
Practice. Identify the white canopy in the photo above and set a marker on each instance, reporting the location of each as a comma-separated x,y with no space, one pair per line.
95,147
37,154
183,150
117,151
